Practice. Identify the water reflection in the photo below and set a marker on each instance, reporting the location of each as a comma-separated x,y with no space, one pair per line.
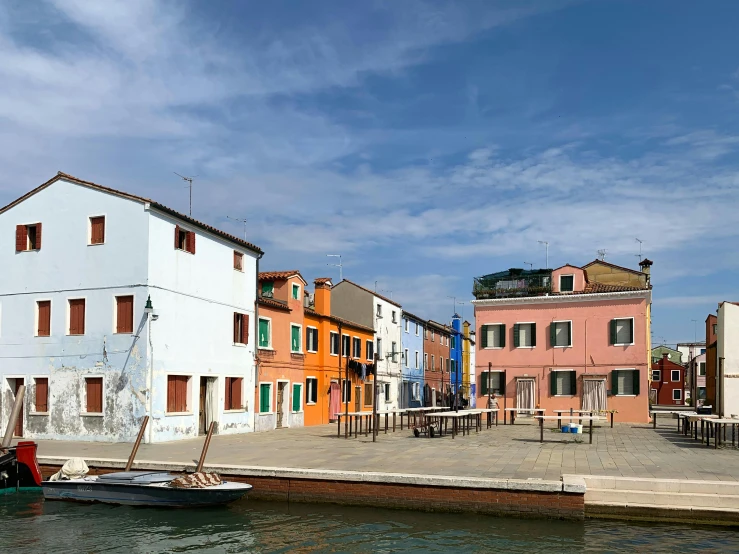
27,524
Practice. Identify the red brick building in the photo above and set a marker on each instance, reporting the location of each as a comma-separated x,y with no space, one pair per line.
668,380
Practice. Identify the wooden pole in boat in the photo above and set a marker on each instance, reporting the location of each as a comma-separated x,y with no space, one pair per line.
14,415
137,444
201,462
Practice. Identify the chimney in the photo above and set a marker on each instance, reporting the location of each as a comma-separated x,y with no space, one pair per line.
322,302
664,356
646,265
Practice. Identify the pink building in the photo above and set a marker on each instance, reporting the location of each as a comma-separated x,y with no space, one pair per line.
566,338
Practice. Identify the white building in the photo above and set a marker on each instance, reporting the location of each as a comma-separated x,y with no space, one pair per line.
79,263
727,354
360,305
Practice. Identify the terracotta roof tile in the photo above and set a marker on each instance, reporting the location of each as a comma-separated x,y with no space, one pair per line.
279,275
322,280
272,303
593,288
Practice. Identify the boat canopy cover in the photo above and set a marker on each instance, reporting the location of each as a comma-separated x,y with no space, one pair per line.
74,468
137,477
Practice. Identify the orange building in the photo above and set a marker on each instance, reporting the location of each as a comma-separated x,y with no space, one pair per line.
280,351
325,370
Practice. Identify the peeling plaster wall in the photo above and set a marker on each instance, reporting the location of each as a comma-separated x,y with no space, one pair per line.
67,267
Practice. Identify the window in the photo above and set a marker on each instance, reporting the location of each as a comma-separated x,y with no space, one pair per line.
297,397
432,362
566,283
177,393
124,314
425,334
97,230
701,393
453,366
379,348
296,291
715,328
345,344
677,394
702,368
491,382
560,333
41,400
77,316
407,325
703,350
393,350
622,331
238,261
416,329
241,328
563,383
405,357
311,390
369,347
656,375
265,398
311,339
346,391
675,375
265,333
43,317
234,386
334,339
387,393
356,347
295,340
379,310
415,391
524,335
454,342
94,395
432,335
493,336
625,382
425,361
27,237
416,366
268,289
184,240
395,317
369,394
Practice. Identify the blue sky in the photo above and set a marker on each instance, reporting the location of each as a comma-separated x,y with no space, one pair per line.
426,142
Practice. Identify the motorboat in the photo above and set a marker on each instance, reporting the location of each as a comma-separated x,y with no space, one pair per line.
146,488
19,468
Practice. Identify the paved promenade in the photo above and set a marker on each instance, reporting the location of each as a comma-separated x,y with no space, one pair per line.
628,450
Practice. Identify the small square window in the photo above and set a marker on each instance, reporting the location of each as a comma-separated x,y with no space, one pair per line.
184,240
566,283
233,393
177,386
311,390
677,394
656,375
675,375
238,261
622,331
94,394
28,237
561,333
296,291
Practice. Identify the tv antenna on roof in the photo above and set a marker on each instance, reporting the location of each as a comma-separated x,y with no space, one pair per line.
189,181
531,266
341,267
545,243
602,255
241,220
640,243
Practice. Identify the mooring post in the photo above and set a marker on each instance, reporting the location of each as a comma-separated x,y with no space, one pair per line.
137,444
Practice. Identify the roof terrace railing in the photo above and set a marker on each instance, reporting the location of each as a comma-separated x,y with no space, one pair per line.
513,283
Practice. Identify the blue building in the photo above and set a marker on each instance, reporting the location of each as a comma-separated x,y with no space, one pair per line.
411,369
455,355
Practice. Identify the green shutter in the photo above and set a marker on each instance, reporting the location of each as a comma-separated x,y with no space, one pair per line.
614,381
502,336
569,333
573,383
516,336
552,334
613,331
295,331
263,333
553,383
264,391
635,376
268,288
533,334
484,377
631,330
502,383
296,398
484,337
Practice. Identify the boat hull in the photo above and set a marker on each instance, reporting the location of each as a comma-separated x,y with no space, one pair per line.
143,495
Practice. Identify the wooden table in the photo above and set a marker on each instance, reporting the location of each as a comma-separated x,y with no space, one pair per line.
490,412
716,423
355,418
514,411
386,413
572,413
420,412
456,417
585,418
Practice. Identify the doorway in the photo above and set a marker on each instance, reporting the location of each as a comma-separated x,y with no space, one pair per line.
334,402
280,408
594,396
525,394
207,404
357,397
15,384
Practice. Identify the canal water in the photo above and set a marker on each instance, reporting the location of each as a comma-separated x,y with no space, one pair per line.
28,524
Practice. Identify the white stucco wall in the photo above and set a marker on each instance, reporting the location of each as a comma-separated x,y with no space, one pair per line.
727,348
67,267
389,369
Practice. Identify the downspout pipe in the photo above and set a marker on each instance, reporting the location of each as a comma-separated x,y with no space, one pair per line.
256,344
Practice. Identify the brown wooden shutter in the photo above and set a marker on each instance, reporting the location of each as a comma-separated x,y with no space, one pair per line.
237,338
171,392
38,236
227,401
177,236
191,242
236,393
42,394
182,393
245,329
94,395
97,230
77,316
21,238
44,318
124,314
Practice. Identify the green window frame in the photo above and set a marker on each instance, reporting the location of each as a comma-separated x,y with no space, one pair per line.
295,341
631,376
297,392
296,291
265,333
265,394
268,289
571,390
